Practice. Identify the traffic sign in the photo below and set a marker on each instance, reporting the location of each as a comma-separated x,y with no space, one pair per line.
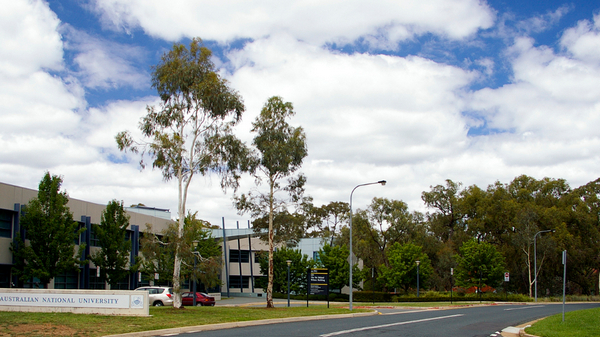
506,277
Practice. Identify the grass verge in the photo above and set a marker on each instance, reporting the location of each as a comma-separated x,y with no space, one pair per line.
581,323
66,324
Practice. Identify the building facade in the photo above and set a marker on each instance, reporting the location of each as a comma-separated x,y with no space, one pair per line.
241,247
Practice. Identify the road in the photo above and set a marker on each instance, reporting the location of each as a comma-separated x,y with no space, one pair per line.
475,321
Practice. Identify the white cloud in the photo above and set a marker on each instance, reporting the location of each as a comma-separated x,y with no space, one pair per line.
105,64
28,38
583,40
550,111
358,102
316,22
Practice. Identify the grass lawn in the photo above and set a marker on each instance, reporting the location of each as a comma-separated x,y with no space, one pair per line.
581,323
66,324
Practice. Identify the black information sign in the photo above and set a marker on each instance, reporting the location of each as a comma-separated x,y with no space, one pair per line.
318,282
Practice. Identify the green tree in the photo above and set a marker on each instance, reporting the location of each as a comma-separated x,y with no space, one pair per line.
288,228
190,132
300,263
113,256
158,252
328,220
281,150
335,259
49,248
448,218
402,270
479,264
383,223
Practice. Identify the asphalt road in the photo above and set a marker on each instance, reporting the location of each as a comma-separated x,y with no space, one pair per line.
463,322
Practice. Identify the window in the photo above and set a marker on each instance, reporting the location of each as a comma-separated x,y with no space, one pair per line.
122,285
4,276
316,257
234,281
94,242
95,281
239,256
6,219
67,280
33,282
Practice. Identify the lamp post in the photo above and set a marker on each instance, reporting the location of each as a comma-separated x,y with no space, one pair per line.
418,262
382,182
195,245
535,257
288,264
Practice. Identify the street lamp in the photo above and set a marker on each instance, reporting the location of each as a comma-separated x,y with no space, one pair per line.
535,257
288,264
195,245
382,182
418,262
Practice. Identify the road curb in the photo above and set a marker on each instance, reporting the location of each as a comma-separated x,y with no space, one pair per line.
219,326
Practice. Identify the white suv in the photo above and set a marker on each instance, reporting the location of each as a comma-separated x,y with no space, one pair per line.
159,296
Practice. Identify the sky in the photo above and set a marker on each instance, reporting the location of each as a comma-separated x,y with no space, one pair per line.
411,92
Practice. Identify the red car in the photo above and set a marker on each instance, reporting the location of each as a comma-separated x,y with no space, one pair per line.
202,299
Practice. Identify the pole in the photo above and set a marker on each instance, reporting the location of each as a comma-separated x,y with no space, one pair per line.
535,265
480,285
382,182
417,279
373,283
564,261
289,283
194,292
226,260
451,283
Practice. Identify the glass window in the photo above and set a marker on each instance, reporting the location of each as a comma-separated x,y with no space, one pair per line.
4,276
33,282
239,256
234,281
245,256
234,255
67,280
123,284
94,242
316,257
95,281
6,220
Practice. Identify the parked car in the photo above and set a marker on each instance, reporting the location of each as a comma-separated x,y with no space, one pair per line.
158,296
202,299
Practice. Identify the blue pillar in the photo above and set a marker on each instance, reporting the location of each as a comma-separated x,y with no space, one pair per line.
135,250
84,280
16,230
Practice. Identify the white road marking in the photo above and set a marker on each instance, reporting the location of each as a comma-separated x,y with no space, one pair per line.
526,307
387,325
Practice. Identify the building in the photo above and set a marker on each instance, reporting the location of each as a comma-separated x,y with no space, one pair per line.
240,249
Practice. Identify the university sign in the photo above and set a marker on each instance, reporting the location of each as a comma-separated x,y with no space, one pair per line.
115,302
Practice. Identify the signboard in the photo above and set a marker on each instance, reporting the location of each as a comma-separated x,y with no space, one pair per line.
112,302
506,277
72,300
318,281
